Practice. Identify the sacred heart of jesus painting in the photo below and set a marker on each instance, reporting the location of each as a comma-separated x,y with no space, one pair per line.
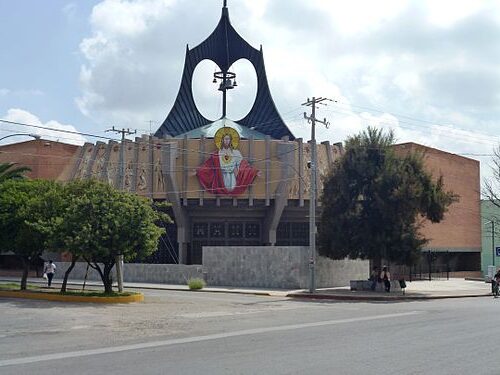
225,172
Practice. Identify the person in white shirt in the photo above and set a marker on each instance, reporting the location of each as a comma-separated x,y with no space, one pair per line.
49,270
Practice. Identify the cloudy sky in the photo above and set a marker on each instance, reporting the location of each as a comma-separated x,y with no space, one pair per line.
430,70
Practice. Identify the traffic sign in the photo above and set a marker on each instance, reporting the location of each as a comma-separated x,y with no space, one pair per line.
497,251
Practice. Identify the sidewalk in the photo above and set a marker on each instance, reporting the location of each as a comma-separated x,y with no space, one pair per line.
416,290
133,285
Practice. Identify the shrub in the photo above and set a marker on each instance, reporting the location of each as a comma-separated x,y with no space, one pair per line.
196,283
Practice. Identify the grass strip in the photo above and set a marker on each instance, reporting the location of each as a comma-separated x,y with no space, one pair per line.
90,293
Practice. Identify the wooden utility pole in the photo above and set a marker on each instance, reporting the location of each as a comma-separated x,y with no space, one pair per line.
119,258
312,199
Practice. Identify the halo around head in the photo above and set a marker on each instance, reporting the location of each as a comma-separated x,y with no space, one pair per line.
222,132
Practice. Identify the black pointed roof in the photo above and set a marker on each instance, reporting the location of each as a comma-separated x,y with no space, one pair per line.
224,46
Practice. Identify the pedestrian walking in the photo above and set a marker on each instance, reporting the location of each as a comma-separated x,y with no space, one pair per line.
374,278
386,278
49,270
495,282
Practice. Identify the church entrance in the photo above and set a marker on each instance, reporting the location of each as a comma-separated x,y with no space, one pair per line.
222,233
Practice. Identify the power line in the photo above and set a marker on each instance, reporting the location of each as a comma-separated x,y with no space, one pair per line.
57,130
346,104
456,133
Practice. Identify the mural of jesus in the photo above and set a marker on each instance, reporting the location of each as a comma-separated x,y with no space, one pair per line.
225,172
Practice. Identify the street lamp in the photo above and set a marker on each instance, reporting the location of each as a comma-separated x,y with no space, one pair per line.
36,136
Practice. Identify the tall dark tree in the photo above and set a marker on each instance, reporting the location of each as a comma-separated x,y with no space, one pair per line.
374,202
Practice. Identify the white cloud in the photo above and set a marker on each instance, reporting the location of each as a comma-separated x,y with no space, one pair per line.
21,92
409,65
25,117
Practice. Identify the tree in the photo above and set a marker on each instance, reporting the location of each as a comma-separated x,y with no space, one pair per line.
24,204
374,202
99,223
492,185
8,172
61,232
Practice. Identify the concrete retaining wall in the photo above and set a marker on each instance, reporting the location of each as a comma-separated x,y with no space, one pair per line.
254,266
276,267
135,272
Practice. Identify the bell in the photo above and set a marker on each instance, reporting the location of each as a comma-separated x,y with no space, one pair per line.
214,81
235,83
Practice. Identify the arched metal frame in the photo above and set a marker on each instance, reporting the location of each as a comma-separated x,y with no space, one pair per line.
224,47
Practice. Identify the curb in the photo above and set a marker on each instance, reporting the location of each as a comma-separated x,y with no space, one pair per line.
125,285
69,298
197,290
213,291
377,298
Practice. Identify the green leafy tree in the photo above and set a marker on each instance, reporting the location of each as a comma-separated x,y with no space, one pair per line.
9,172
24,204
61,232
99,223
374,202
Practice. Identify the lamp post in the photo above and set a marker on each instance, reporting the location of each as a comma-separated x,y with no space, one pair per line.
36,136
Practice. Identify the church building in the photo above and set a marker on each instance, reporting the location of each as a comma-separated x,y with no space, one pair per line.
240,182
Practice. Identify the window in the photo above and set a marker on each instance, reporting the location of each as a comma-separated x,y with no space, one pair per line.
252,230
217,230
235,230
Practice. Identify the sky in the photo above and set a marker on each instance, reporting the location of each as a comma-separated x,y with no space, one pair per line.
427,69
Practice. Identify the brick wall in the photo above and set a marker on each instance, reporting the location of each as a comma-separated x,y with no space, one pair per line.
461,227
46,159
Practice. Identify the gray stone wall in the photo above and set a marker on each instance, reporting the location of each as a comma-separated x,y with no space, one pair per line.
283,267
135,272
276,267
331,273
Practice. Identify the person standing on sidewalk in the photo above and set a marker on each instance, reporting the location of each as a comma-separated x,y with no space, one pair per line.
49,270
386,278
374,278
495,282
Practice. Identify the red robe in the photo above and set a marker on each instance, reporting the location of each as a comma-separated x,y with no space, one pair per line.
210,176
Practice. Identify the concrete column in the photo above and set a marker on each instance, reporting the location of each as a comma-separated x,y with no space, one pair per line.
168,157
185,170
90,164
250,161
301,171
268,170
287,157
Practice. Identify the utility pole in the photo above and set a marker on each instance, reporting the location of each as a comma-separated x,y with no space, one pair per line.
151,122
312,199
119,258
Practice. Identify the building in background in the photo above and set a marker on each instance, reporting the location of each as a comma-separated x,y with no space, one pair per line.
454,243
242,182
490,239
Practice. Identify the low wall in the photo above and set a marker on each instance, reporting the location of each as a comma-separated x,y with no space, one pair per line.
284,267
137,272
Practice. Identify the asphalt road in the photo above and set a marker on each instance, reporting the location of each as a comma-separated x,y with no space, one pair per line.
205,333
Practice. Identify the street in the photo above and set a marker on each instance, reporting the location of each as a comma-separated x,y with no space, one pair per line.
215,333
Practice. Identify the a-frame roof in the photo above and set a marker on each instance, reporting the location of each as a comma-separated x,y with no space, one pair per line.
224,47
